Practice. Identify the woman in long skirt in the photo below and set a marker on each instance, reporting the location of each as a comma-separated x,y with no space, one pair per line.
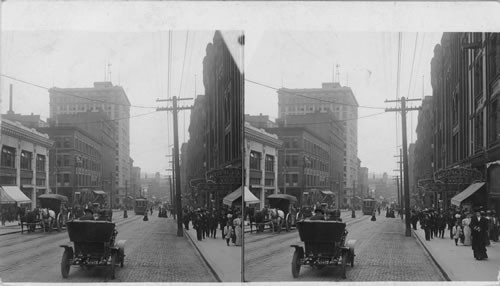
467,231
237,230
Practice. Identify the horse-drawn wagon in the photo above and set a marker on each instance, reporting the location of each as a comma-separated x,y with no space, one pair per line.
94,245
53,211
282,212
324,245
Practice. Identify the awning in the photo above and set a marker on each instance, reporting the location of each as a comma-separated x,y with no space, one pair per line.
327,192
249,197
12,194
99,192
54,197
283,197
469,191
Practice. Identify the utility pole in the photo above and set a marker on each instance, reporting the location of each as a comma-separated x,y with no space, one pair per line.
111,183
403,109
397,186
284,172
353,215
125,215
175,109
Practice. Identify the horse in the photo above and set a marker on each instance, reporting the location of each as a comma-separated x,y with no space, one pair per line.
48,218
277,219
29,218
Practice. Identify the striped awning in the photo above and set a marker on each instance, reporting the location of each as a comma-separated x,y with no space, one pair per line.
469,191
12,195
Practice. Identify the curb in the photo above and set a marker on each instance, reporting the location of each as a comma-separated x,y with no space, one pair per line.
202,256
445,275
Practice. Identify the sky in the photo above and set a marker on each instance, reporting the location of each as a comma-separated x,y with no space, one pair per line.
69,44
367,62
138,63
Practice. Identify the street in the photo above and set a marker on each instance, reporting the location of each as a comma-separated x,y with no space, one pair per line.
383,253
153,251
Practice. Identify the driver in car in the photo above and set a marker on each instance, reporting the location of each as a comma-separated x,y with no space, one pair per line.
319,214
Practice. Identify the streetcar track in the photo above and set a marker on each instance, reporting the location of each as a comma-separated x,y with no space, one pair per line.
46,239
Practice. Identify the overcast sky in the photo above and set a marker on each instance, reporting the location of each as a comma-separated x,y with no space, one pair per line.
138,64
68,44
367,63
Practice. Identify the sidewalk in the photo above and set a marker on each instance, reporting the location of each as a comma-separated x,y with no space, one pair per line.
458,262
15,227
224,260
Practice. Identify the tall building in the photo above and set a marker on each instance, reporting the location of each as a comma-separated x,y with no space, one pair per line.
331,97
109,99
304,164
422,165
75,161
98,125
330,130
261,162
465,72
24,160
224,89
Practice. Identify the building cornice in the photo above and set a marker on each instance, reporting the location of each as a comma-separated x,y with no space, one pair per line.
17,130
259,135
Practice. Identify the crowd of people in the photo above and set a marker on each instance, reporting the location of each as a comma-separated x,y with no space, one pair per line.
207,222
475,228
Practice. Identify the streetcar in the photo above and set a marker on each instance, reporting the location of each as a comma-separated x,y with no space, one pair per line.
141,206
369,206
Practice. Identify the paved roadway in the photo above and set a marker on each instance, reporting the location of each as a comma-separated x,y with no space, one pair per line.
153,254
383,253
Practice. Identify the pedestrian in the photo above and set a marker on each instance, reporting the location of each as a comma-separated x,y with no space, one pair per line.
185,219
479,226
456,232
494,226
206,224
213,224
451,223
237,230
145,218
487,238
373,216
228,229
466,230
151,208
414,219
378,210
197,224
441,225
425,225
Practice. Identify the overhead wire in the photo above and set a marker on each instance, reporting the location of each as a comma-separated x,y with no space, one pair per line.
308,97
73,95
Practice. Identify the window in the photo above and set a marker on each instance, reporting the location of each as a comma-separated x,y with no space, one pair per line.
40,163
295,178
8,157
26,160
478,132
66,178
65,160
255,160
269,163
66,142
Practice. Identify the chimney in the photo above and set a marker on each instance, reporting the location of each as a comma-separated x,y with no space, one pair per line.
10,98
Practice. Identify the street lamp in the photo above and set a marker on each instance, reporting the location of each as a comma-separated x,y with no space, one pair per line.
125,215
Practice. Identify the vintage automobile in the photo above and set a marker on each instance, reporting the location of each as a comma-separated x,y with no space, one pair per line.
58,204
324,245
284,203
94,245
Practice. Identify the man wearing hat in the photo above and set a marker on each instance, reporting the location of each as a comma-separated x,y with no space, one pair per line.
89,215
319,214
479,228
